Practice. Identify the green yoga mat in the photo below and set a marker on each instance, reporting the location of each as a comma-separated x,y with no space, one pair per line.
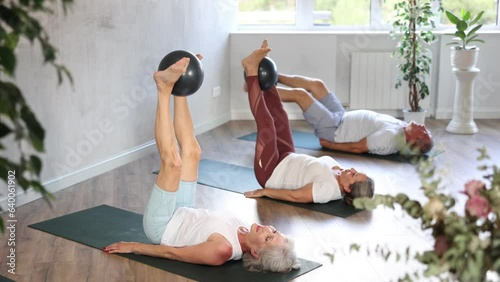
103,225
241,179
5,279
307,140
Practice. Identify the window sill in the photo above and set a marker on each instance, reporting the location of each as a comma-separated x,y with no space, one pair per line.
347,31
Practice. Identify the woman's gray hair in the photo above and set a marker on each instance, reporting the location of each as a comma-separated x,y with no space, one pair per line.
274,259
360,189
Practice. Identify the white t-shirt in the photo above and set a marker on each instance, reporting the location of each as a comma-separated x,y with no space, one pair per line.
297,170
190,226
384,133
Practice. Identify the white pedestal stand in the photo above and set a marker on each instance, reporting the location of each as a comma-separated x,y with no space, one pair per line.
462,122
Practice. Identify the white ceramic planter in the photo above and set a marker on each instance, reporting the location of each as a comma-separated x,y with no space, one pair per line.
418,117
464,59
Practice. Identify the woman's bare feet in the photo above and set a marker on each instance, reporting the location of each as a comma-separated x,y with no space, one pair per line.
251,63
169,76
264,44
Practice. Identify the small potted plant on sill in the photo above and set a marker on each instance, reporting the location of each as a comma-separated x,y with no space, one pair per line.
463,55
412,26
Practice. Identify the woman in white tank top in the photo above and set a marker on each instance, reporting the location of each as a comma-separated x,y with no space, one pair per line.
284,174
187,234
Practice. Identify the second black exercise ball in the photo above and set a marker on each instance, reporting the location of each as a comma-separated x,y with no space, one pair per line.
268,74
191,80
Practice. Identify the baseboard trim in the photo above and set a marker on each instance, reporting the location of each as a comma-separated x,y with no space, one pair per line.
56,184
123,158
482,113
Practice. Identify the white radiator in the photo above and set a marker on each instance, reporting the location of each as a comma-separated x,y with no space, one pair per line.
373,76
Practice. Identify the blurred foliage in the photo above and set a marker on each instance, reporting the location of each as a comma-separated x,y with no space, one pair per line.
466,239
358,12
475,7
267,5
17,120
345,12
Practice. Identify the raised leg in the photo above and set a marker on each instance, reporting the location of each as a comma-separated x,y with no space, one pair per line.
184,130
312,85
296,95
163,198
266,151
283,132
306,90
170,169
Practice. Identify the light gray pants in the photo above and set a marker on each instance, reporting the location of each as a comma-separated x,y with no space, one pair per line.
325,116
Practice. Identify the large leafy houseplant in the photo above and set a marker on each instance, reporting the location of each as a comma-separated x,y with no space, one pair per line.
412,27
17,121
466,238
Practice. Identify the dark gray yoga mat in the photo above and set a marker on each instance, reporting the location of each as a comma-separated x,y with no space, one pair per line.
5,279
103,225
307,140
241,179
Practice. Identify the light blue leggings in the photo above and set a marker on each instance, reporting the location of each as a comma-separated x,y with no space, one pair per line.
162,205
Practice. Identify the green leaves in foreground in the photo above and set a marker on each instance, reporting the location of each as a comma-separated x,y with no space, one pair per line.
20,129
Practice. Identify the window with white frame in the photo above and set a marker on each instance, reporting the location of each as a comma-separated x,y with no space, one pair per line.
345,14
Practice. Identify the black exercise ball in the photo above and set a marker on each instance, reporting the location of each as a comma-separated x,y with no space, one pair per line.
191,80
268,74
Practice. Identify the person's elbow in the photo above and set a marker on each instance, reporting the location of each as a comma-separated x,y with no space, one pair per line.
300,198
326,144
223,253
360,147
359,150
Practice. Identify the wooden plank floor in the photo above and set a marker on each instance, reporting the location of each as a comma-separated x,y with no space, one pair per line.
43,257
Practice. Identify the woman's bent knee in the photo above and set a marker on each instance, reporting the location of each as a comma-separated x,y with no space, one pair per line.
318,86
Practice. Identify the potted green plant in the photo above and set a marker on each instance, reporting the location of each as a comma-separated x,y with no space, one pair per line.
463,55
412,27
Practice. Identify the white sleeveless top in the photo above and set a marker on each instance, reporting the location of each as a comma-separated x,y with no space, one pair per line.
298,170
190,226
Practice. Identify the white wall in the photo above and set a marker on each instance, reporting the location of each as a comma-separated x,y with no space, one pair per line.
327,56
112,49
